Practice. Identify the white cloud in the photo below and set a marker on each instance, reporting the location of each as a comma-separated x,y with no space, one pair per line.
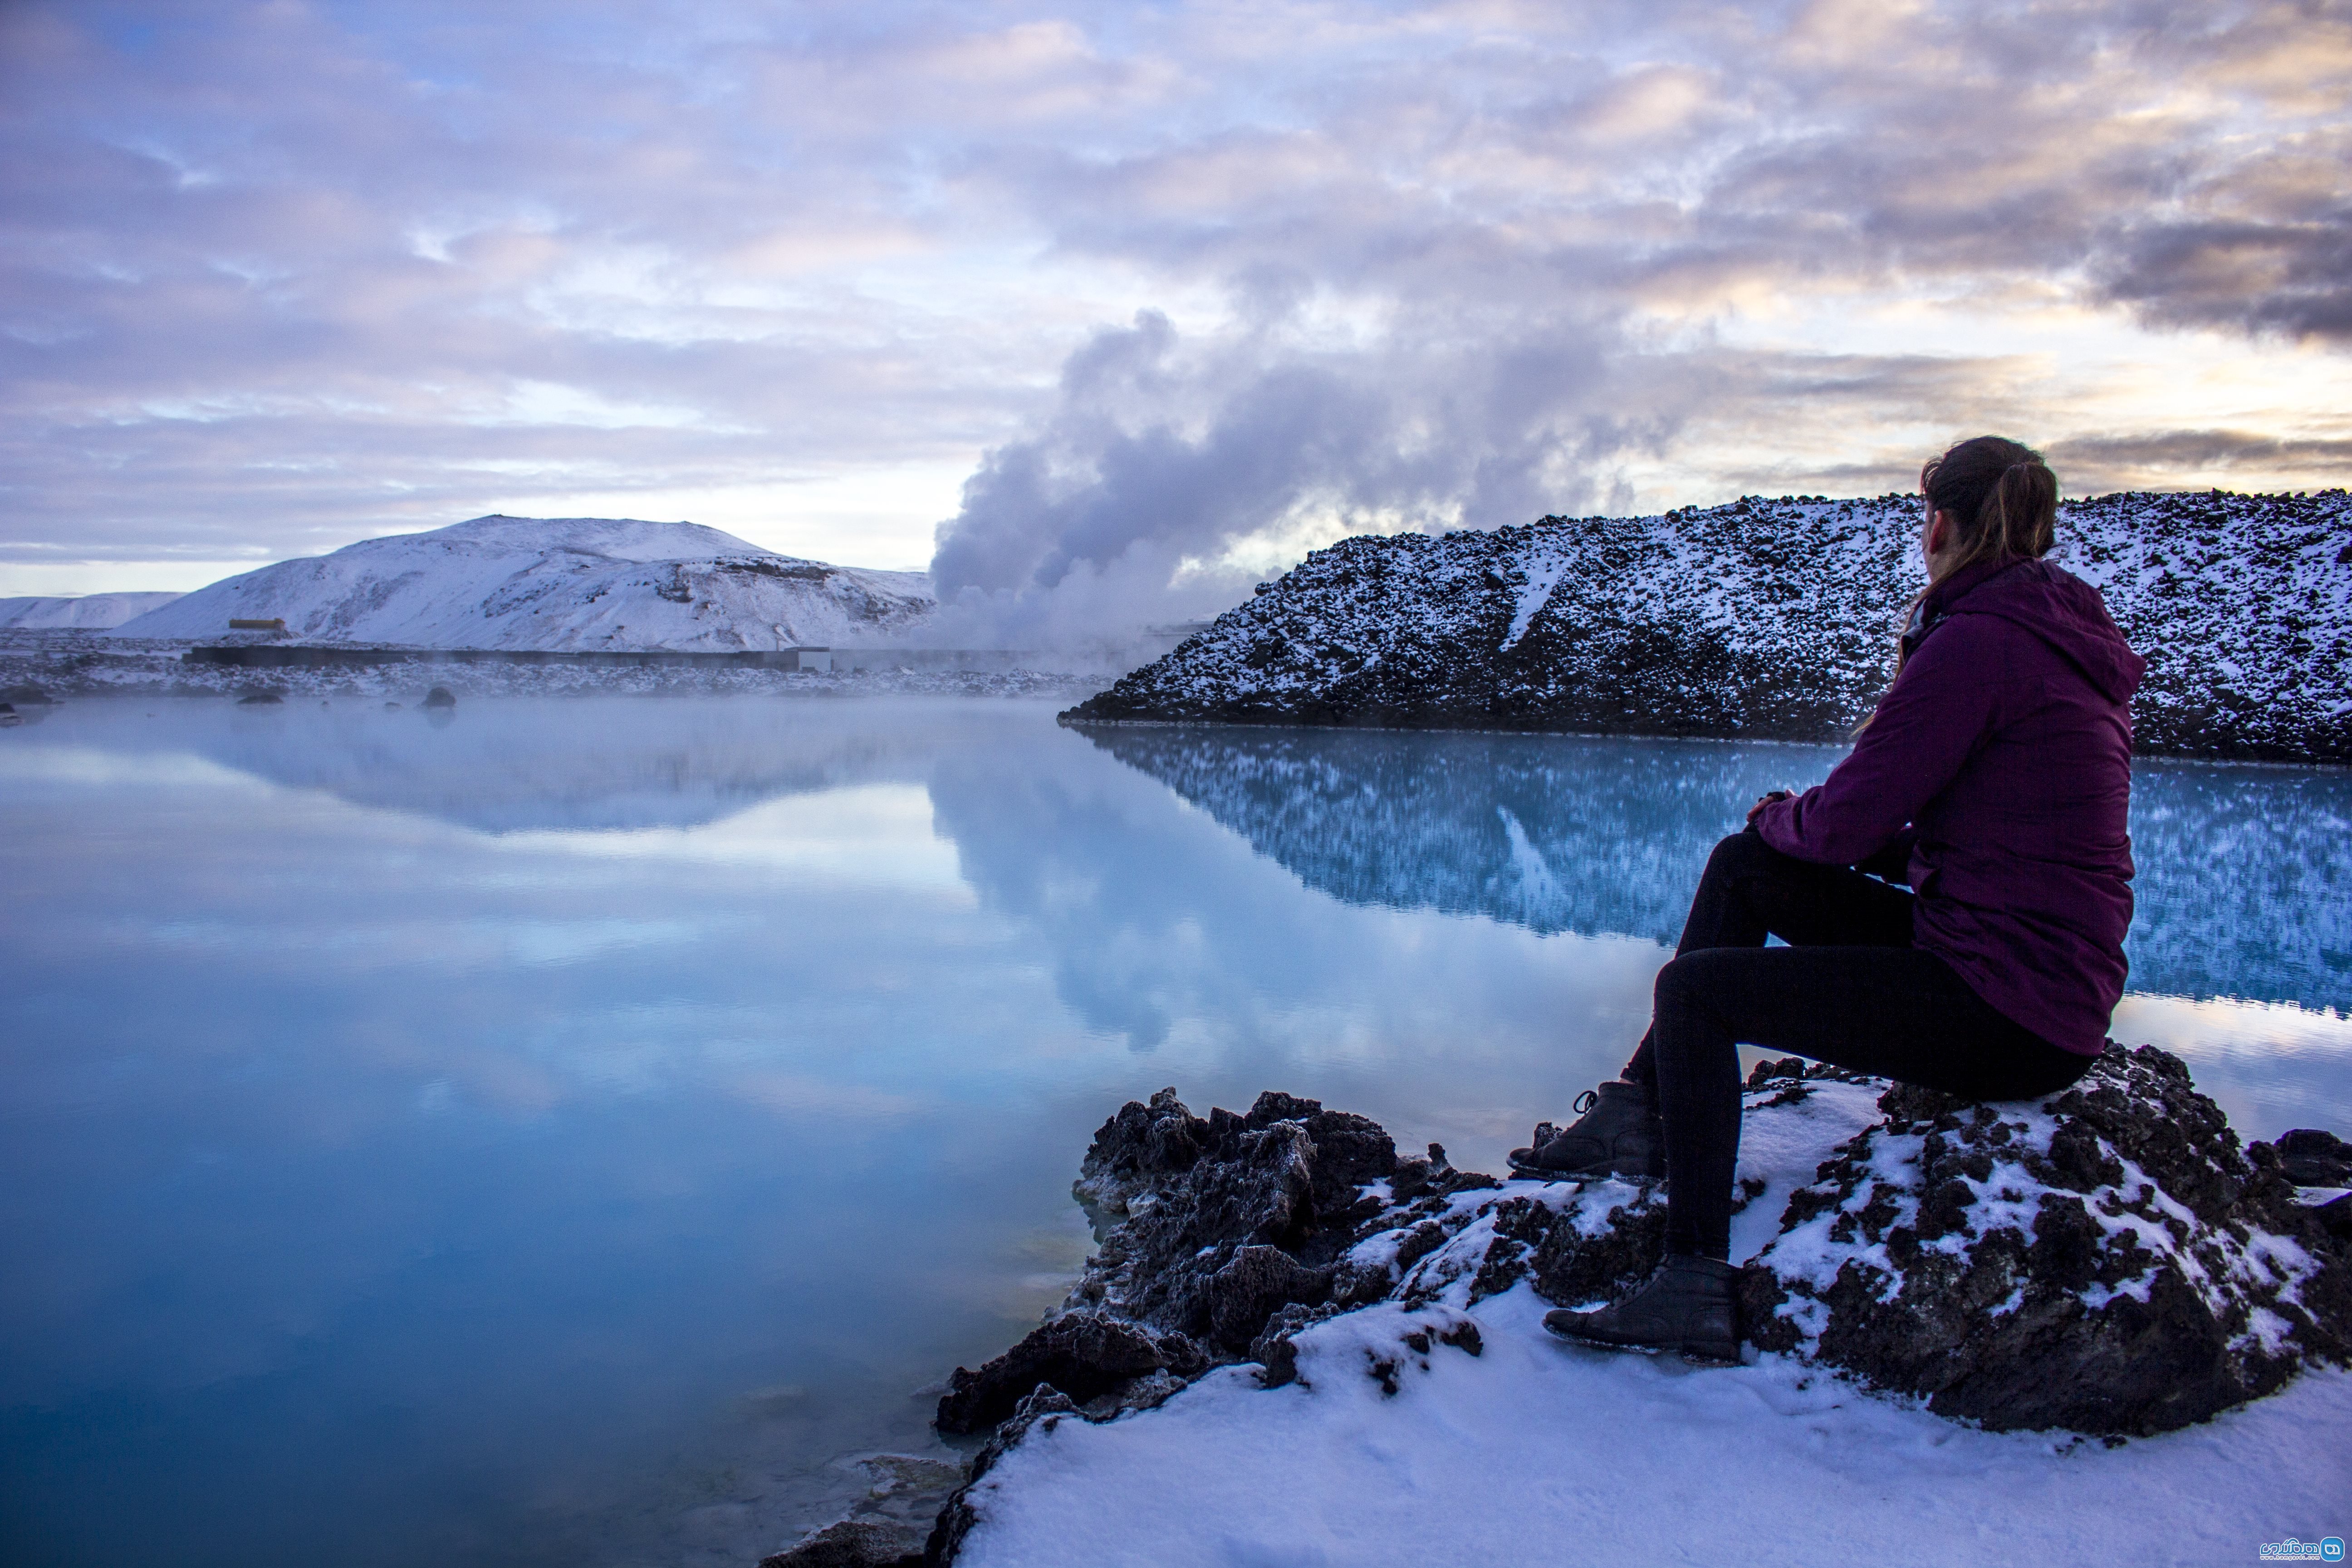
276,277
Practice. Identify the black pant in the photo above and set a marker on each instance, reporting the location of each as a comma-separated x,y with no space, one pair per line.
1849,989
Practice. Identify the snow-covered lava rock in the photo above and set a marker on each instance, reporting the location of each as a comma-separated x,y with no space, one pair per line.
2107,1262
1766,618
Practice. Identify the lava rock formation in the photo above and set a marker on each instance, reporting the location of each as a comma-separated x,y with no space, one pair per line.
1771,619
2109,1260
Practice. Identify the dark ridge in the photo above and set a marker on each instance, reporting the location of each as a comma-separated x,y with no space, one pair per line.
1766,620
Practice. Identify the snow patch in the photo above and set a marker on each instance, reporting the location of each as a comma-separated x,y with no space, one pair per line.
1543,570
1533,1447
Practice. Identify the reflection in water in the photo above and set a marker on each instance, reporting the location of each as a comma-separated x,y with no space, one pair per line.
557,1136
2270,1065
1556,833
2245,873
1165,931
610,764
2245,882
423,1168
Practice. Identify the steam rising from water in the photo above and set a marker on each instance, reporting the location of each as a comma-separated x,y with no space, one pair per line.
1171,472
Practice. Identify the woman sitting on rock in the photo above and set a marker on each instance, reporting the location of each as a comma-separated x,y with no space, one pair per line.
1993,779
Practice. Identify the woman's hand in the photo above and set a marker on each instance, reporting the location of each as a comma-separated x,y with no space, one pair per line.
1764,800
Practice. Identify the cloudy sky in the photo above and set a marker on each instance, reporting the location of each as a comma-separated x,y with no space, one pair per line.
1127,305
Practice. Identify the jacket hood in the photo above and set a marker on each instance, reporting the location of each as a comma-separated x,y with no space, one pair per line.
2056,606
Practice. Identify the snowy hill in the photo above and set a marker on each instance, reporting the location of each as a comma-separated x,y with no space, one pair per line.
86,613
1770,619
557,583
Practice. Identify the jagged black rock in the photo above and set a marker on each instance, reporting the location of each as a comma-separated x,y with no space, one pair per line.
2109,1262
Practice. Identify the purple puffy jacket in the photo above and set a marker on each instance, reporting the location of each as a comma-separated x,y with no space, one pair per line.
2000,757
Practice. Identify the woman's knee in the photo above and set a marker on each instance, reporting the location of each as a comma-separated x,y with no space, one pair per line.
1693,1005
1686,984
1727,991
1737,852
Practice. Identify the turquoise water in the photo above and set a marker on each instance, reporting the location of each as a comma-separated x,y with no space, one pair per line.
562,1132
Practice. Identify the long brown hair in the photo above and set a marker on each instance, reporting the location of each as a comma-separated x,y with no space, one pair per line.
2003,500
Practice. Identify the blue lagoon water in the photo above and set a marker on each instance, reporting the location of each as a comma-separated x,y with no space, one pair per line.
564,1132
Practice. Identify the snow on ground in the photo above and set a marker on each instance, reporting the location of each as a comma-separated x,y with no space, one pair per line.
1539,1451
1784,1149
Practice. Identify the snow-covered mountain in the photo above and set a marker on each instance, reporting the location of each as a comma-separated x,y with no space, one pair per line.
558,583
1771,619
84,613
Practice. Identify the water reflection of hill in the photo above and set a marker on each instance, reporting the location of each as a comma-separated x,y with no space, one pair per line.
2244,872
1590,836
592,764
2245,882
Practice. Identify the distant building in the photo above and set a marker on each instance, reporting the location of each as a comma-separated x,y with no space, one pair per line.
275,623
819,660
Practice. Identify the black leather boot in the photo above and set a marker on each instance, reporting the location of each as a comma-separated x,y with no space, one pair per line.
1618,1135
1690,1305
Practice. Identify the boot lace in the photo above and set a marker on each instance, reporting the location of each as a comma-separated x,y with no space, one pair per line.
1586,1101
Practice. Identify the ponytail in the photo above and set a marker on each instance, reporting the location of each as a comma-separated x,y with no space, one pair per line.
2003,500
2002,496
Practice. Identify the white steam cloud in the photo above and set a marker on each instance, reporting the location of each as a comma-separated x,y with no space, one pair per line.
1170,474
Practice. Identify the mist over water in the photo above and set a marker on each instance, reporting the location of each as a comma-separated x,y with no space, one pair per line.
562,1132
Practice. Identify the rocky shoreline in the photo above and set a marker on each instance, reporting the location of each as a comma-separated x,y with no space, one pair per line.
2110,1262
1770,619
